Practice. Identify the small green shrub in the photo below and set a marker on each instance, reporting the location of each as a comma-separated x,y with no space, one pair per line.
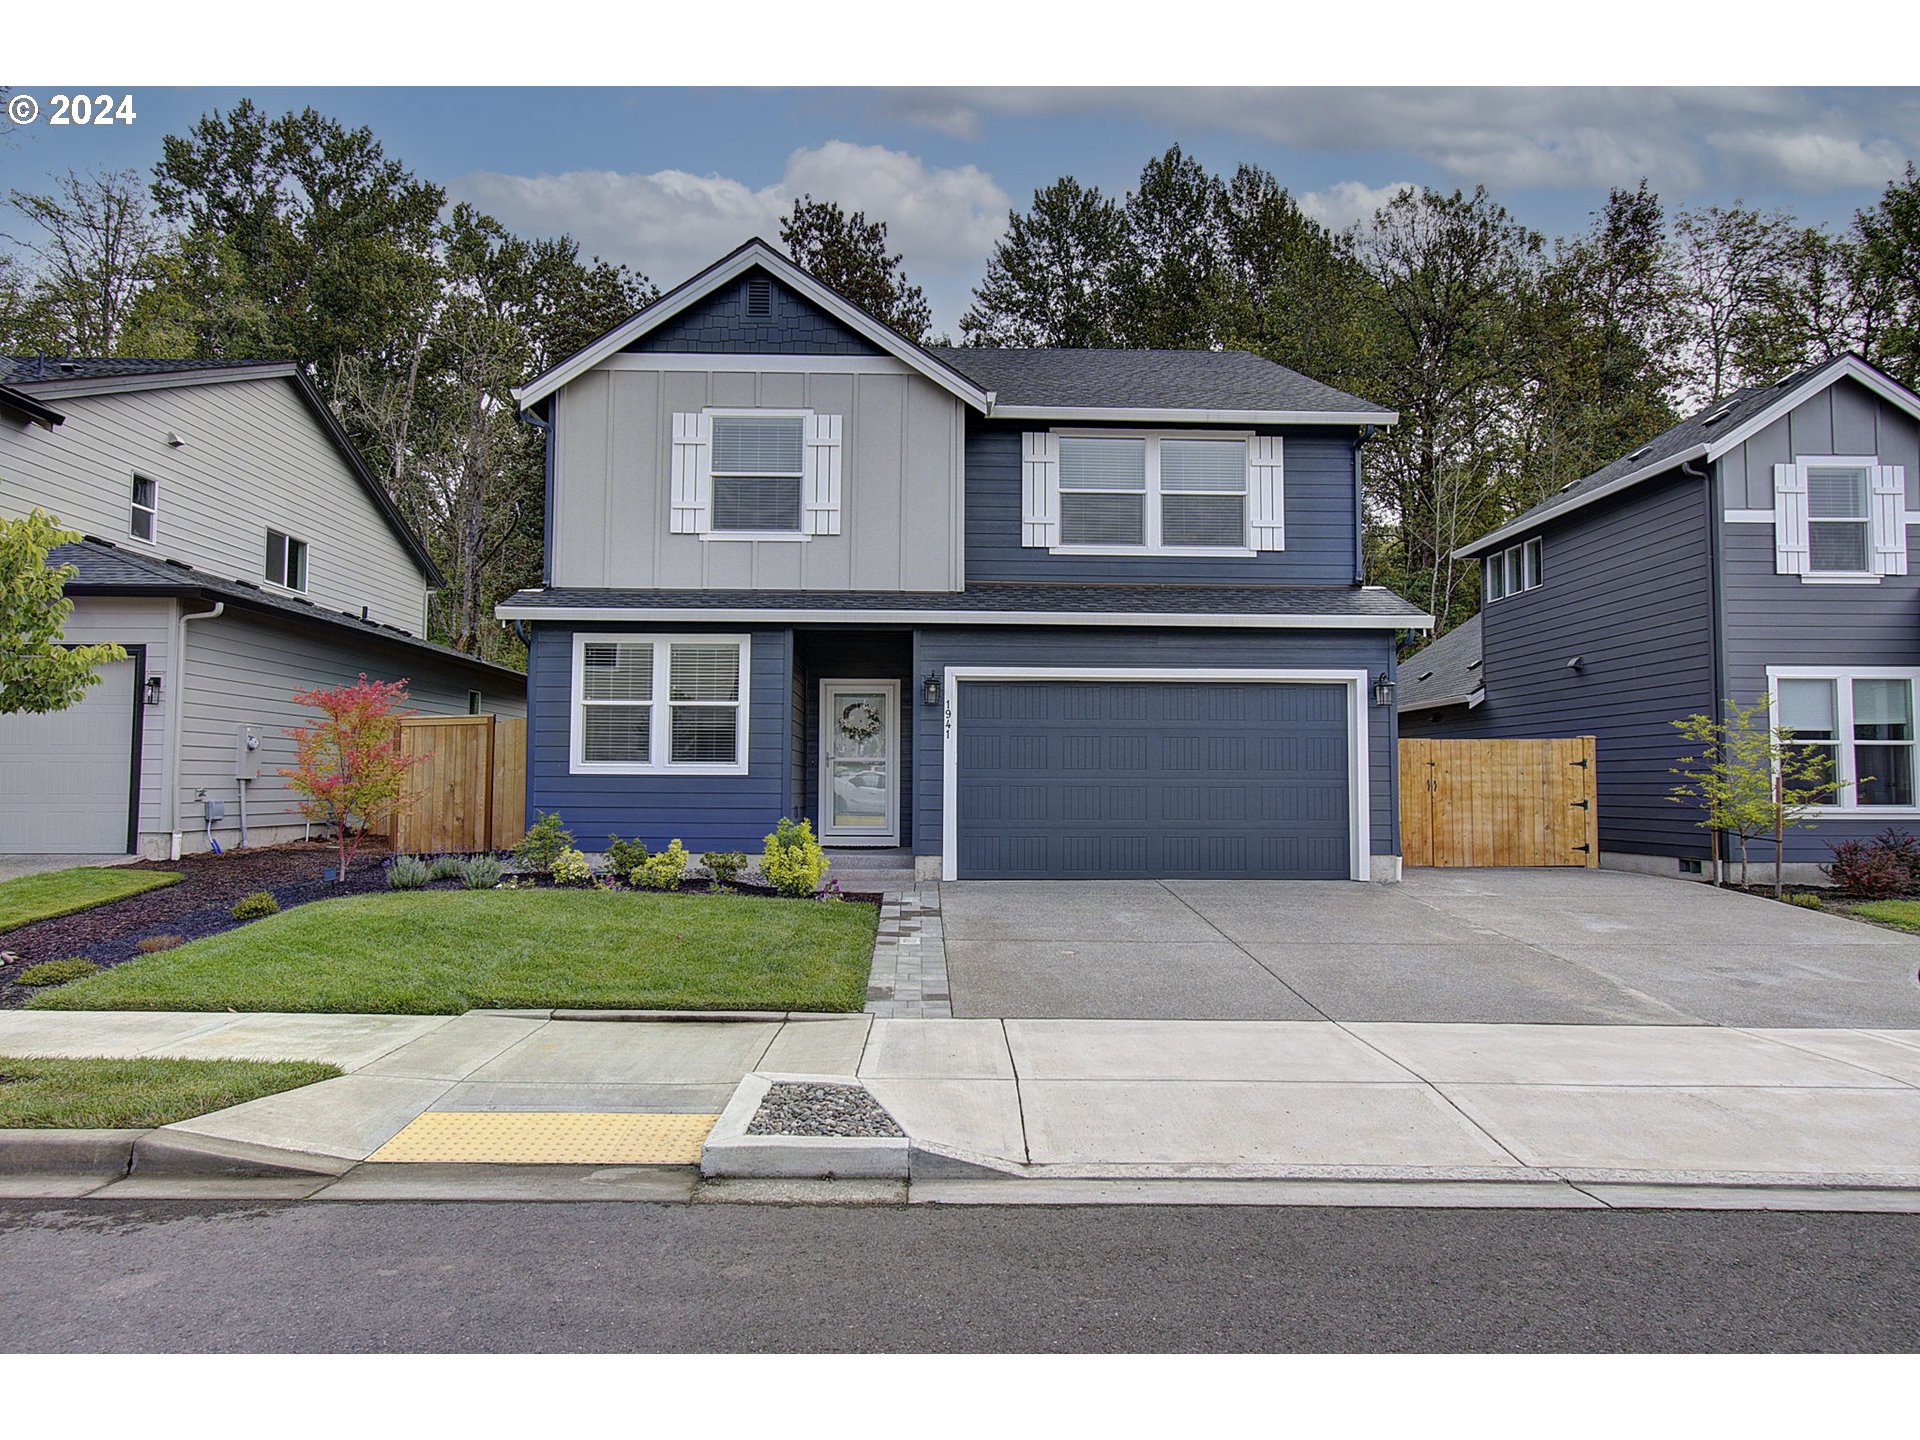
792,859
1806,901
406,872
544,843
625,856
724,866
663,871
154,944
446,867
256,906
58,972
482,872
570,867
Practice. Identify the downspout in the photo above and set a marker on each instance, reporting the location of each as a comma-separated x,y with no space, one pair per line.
1716,660
1359,507
176,715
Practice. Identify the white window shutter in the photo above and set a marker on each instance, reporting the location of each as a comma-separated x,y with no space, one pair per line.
822,484
1039,489
1889,520
1789,520
690,508
1267,492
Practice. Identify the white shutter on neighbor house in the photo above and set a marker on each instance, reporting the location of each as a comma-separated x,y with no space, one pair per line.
1039,489
1889,520
821,487
690,501
1267,492
1789,520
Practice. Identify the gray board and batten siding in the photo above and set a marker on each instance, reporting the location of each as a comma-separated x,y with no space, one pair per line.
1626,594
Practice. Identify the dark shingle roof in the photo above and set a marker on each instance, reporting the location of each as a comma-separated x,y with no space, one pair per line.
1446,672
1702,428
23,406
1145,379
1172,600
107,569
26,369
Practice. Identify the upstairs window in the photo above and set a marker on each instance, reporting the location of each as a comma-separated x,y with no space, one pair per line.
143,520
286,561
1838,520
759,463
1153,493
660,704
1514,570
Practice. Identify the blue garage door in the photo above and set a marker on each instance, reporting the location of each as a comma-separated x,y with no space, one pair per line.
1076,779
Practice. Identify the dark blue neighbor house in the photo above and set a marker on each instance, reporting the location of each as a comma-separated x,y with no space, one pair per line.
1029,613
1757,548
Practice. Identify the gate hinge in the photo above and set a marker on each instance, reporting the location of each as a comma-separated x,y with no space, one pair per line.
1584,849
1577,764
1579,804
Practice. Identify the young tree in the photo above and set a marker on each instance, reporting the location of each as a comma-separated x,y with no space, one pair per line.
849,252
1749,779
348,765
96,242
1050,279
39,674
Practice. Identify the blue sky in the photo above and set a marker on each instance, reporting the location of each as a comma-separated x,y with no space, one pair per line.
667,179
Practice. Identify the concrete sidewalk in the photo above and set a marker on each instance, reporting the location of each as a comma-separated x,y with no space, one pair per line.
1089,1110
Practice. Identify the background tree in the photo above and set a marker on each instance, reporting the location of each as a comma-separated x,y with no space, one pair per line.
96,242
1887,278
38,673
849,252
1731,262
1169,277
1050,279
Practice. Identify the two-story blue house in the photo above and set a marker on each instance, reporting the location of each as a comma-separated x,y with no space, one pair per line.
1758,548
1028,613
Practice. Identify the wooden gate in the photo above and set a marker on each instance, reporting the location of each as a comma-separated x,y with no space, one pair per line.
470,794
1498,802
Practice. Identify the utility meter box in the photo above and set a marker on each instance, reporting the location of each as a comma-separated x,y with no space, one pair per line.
246,754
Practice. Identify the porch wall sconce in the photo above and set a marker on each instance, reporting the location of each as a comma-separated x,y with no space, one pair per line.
153,690
930,688
1383,691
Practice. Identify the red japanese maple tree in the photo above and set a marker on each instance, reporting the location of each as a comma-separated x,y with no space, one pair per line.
349,764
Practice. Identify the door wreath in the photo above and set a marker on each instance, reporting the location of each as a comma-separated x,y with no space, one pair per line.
860,720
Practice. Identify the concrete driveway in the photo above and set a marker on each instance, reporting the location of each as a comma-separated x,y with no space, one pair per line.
1569,947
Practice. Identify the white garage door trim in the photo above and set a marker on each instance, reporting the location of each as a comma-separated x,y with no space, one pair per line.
1356,682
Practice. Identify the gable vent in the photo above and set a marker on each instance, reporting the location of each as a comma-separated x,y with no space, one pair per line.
760,297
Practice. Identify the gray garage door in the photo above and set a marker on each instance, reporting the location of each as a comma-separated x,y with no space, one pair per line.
1075,779
64,778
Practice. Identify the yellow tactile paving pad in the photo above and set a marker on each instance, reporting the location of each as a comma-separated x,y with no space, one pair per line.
519,1137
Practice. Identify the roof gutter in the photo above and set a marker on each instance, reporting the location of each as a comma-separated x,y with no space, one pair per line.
1161,619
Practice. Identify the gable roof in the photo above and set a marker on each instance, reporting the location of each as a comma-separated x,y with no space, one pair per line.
755,253
1227,386
1445,672
106,569
1706,435
55,377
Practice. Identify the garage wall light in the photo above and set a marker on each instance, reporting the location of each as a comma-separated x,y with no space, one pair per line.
153,690
1383,690
930,688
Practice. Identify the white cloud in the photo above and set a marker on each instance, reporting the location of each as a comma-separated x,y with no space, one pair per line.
1348,201
670,223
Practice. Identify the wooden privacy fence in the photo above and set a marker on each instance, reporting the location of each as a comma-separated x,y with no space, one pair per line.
471,794
1498,802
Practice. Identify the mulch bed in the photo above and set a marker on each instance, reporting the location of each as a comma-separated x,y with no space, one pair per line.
198,906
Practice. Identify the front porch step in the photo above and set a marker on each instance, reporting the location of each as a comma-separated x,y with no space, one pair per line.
853,857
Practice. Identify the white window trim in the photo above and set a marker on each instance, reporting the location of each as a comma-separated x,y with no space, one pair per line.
288,541
1498,558
660,731
1849,804
771,412
1868,463
1359,771
1153,495
133,506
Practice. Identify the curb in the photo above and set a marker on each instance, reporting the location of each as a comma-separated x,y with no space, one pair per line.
68,1152
732,1154
180,1153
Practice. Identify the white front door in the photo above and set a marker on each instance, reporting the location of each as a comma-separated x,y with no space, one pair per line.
859,740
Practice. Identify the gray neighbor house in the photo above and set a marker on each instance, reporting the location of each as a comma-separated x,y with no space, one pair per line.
1758,548
1040,613
237,547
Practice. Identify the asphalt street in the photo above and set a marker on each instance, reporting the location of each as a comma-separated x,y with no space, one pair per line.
134,1276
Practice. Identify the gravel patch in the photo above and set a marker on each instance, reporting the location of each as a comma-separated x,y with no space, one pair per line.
843,1110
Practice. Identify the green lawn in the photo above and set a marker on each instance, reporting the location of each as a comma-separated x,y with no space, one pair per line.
61,892
1904,913
442,952
124,1094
